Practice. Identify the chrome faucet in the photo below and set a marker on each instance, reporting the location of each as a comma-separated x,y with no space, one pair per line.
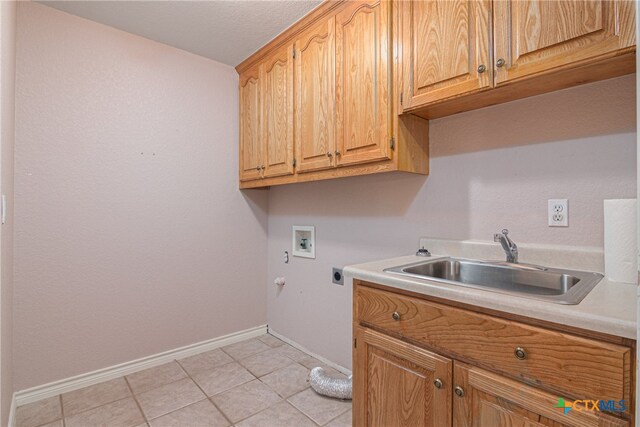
508,245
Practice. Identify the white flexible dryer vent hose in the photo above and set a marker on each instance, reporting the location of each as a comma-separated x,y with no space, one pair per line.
333,387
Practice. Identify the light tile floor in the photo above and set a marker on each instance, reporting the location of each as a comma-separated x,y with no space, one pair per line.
261,382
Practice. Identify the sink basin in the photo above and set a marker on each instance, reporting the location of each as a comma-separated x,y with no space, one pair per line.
547,284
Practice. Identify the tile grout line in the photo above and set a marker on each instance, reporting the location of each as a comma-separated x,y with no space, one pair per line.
163,385
135,399
286,399
210,398
238,361
282,399
207,397
281,369
305,414
95,407
258,352
335,418
258,377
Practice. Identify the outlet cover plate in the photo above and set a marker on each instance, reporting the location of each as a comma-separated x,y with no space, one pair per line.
558,213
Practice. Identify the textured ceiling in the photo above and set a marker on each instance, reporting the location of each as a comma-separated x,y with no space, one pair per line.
226,31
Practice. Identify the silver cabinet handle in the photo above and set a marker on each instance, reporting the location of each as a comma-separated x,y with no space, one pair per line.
499,62
329,154
395,316
482,68
520,353
437,383
459,391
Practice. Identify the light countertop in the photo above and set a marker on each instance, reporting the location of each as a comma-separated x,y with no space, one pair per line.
610,308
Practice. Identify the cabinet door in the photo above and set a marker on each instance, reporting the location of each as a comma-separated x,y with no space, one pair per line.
445,49
533,36
315,97
487,399
362,82
395,383
277,113
250,144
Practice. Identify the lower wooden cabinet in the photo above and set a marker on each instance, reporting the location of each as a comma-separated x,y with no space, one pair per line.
397,384
408,371
482,398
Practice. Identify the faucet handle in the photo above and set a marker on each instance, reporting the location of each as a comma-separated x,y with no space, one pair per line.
498,236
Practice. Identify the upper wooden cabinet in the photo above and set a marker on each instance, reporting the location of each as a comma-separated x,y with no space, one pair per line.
276,75
348,89
345,123
315,97
250,142
363,83
534,36
266,118
449,64
445,49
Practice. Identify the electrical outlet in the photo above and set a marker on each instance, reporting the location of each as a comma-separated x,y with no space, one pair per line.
337,276
558,213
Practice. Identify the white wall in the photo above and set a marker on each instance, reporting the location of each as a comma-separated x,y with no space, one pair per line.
130,225
7,139
131,235
491,169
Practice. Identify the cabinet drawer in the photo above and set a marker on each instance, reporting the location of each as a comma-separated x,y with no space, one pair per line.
576,366
489,399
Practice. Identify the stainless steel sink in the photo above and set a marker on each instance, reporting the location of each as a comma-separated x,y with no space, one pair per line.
547,284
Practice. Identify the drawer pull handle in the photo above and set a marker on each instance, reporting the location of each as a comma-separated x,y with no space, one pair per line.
520,353
459,391
395,316
438,383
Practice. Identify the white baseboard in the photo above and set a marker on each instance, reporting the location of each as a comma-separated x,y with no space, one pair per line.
12,412
310,353
55,388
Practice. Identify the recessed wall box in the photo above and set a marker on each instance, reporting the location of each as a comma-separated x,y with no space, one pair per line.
304,241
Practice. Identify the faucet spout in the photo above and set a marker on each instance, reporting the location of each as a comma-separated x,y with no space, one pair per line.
509,246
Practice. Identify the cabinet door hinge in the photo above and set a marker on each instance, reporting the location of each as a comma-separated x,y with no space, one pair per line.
355,343
392,143
294,53
400,98
294,163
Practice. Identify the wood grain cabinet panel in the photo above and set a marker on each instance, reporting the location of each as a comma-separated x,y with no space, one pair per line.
395,384
277,113
536,36
315,139
250,143
445,49
325,100
406,348
488,399
579,367
362,82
